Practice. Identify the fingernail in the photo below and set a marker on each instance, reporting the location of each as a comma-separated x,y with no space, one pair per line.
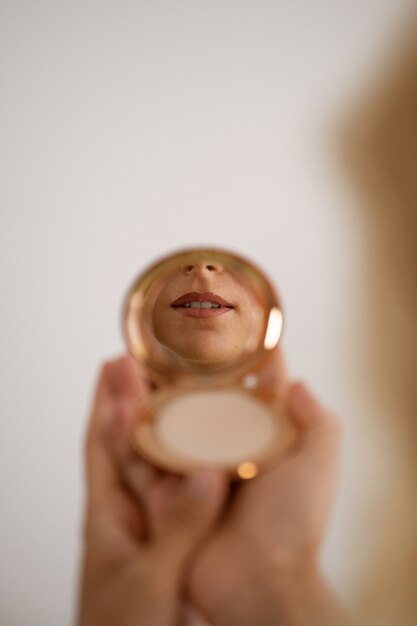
303,401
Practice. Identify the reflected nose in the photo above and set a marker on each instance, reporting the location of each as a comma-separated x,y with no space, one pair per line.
205,267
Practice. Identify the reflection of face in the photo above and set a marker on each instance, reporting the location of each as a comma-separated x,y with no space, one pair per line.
207,314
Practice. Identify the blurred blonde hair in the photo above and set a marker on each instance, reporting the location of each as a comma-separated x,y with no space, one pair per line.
381,145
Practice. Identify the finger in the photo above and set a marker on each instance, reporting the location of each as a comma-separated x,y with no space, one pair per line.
151,488
141,478
126,377
114,519
161,499
118,436
101,472
120,382
155,489
109,503
273,377
319,429
149,483
306,409
118,378
199,502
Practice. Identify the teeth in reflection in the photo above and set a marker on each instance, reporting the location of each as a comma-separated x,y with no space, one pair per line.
201,305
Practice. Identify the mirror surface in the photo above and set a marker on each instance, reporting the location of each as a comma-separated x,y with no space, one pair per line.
202,313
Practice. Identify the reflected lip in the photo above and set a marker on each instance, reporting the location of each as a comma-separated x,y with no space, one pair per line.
206,296
179,305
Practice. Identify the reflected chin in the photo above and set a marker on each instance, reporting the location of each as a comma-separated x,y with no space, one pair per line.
203,346
203,336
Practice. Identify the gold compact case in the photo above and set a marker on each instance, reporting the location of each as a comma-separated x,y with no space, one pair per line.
205,325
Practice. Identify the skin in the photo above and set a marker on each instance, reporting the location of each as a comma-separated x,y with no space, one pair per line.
130,575
215,340
259,544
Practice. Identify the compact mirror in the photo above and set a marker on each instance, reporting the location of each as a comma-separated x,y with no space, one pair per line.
204,323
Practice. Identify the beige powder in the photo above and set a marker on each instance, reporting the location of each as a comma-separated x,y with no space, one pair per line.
224,427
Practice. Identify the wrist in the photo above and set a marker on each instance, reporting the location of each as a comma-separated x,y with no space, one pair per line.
293,597
304,598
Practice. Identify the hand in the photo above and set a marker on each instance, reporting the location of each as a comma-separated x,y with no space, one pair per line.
260,566
131,576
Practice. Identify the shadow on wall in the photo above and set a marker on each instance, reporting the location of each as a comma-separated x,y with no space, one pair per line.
381,150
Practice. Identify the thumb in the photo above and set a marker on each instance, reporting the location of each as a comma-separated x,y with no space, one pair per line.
196,509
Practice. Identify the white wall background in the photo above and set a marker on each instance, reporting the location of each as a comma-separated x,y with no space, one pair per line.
131,128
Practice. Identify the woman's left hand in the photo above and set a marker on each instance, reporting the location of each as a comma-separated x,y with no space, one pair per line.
133,574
